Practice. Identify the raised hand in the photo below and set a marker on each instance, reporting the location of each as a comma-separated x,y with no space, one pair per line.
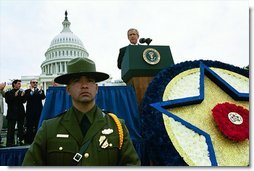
2,85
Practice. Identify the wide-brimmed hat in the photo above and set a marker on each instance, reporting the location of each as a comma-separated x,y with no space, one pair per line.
81,67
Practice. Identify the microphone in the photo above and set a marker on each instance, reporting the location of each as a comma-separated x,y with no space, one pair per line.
142,40
148,41
145,40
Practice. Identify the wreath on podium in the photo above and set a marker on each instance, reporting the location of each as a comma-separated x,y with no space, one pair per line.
196,113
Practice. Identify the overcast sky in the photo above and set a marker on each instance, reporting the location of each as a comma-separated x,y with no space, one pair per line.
194,29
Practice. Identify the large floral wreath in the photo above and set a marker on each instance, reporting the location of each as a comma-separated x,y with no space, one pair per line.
160,148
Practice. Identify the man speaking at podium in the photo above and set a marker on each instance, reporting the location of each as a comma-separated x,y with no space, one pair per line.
139,64
133,36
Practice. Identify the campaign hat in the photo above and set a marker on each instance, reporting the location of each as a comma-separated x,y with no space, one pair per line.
78,67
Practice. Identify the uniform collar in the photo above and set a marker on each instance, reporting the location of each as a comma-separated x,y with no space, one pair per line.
90,114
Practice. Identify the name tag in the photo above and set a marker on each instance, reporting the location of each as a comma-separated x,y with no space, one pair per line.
62,135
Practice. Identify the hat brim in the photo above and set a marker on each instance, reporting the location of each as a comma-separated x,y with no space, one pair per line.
97,76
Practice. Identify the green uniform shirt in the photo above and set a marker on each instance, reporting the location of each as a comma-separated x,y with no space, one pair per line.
60,138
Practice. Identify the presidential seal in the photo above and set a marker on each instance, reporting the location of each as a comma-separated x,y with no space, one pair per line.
151,56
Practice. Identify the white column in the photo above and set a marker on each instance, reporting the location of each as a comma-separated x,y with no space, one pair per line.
51,68
56,68
61,67
44,87
65,66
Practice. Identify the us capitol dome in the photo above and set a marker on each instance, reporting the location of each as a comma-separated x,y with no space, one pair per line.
64,47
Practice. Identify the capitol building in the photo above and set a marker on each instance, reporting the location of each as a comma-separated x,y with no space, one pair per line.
64,47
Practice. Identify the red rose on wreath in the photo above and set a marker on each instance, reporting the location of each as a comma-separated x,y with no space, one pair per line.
232,120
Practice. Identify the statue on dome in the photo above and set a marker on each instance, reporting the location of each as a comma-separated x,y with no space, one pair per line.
66,13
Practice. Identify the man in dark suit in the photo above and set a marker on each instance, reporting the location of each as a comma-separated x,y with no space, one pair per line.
133,36
15,113
34,97
83,135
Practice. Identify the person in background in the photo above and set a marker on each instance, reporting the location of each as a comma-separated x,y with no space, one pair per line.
15,113
82,135
34,96
2,93
133,37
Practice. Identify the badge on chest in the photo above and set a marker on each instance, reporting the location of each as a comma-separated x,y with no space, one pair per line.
103,140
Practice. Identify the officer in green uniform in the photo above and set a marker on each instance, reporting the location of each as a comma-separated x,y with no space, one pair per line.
83,135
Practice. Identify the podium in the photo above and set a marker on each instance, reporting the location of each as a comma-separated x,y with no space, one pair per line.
141,63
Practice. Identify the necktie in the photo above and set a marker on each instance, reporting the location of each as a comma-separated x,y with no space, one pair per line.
85,124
